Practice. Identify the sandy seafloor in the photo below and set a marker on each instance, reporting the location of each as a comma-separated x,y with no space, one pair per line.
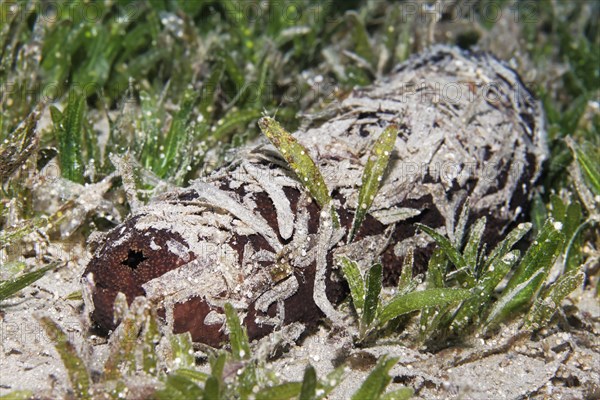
557,364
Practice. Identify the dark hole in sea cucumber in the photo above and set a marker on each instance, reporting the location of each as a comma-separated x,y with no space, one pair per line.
134,258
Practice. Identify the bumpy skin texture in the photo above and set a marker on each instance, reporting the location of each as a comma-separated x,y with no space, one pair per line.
250,235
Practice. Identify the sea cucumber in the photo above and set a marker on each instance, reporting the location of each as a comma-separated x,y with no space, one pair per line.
251,235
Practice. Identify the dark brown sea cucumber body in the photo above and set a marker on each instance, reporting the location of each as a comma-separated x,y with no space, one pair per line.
250,234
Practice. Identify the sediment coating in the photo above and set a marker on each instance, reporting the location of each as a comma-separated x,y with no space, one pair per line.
249,234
